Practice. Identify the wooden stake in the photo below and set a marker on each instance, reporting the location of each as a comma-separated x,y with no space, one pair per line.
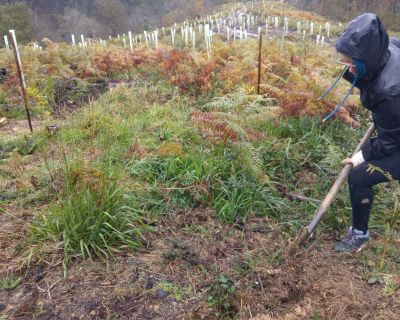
21,76
259,64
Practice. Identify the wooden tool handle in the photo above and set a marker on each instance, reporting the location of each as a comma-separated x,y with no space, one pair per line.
306,232
323,208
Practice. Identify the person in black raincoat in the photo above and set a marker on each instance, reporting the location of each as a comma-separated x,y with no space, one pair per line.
373,62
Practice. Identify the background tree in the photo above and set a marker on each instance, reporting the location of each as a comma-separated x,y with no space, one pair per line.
17,16
111,14
35,19
345,10
75,22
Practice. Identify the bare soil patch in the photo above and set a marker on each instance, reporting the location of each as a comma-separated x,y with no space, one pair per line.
14,127
177,271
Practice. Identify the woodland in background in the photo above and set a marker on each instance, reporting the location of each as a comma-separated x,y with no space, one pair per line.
57,20
345,10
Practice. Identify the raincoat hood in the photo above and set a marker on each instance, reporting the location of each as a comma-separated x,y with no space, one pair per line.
366,39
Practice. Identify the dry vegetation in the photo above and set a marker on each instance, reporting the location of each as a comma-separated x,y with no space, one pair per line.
158,185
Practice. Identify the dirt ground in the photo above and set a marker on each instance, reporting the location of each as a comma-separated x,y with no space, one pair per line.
171,277
12,127
192,266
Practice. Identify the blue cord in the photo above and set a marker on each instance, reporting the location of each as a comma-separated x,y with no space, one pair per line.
361,70
334,84
341,103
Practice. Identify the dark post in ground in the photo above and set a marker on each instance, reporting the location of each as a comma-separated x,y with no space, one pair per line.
21,76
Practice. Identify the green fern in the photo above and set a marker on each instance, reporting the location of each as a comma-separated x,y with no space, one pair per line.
273,91
259,118
229,102
235,127
275,79
253,161
225,116
240,103
332,159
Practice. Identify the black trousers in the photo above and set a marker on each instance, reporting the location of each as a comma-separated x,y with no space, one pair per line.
363,178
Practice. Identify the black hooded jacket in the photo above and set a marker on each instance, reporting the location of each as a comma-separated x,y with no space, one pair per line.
366,38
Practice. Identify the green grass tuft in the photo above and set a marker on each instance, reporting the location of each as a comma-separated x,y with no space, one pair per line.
93,218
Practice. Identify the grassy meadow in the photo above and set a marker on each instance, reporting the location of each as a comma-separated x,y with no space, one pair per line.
131,149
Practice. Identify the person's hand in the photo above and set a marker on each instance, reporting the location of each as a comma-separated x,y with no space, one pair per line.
347,161
355,160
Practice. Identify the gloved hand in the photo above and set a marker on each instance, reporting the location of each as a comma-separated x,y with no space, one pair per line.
355,160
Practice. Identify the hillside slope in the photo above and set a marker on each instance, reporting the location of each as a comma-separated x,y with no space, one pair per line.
56,20
159,185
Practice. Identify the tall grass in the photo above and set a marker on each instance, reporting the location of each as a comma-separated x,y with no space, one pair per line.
165,160
93,218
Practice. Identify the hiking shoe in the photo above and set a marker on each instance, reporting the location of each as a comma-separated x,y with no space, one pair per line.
353,241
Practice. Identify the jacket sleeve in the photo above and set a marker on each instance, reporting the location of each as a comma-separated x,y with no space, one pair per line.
388,136
380,147
395,41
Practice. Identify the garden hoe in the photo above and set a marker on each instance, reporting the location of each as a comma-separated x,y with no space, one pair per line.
307,231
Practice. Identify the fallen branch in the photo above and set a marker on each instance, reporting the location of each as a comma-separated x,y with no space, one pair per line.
302,198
